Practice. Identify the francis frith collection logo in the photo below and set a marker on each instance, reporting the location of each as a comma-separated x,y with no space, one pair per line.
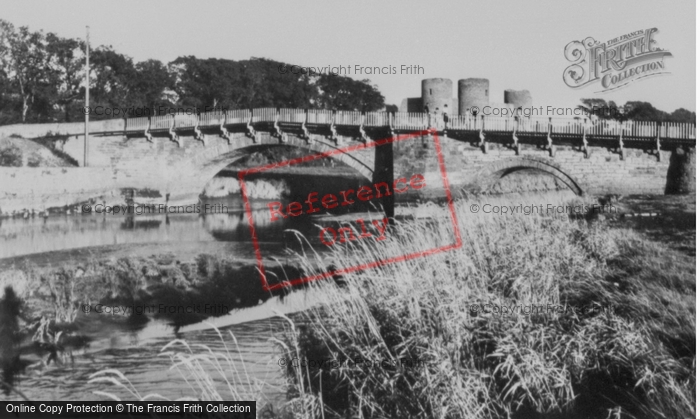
615,63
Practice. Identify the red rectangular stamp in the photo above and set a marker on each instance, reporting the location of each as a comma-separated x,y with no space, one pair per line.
329,236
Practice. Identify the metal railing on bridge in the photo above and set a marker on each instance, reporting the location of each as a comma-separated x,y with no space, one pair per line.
603,128
644,129
415,121
493,123
238,116
576,126
377,119
264,115
319,117
212,119
464,122
295,116
348,118
161,123
410,121
533,125
185,121
677,130
139,124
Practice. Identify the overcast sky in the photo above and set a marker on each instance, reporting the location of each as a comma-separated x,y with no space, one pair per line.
517,45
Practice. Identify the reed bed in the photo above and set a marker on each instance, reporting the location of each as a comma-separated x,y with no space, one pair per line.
534,316
409,339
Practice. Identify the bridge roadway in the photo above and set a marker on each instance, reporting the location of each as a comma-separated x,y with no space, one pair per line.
367,125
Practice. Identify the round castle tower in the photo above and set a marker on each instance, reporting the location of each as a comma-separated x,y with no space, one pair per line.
436,93
472,92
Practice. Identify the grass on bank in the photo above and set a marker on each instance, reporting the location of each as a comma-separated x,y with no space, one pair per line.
200,367
408,341
625,346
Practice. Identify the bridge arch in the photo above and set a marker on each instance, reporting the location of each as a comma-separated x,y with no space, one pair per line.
211,160
491,174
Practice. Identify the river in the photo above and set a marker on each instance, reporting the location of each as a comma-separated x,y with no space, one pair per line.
135,349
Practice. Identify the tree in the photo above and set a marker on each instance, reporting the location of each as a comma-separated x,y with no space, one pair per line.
243,84
344,93
65,72
25,59
212,82
599,108
41,79
7,105
682,115
112,76
643,111
151,82
635,110
266,86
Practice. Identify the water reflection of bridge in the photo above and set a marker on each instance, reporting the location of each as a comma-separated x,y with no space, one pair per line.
234,221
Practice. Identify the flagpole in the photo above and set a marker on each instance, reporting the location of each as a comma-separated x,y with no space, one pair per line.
87,94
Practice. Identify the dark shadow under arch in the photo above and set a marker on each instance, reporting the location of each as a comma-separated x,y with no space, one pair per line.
498,170
210,166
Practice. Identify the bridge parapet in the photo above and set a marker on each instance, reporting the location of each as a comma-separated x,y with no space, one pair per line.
377,119
643,129
161,123
185,121
565,126
464,123
319,116
212,119
677,130
534,125
496,124
348,118
238,116
294,116
268,115
666,134
140,124
410,121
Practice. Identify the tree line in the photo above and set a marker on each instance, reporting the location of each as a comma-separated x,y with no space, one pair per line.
42,80
634,110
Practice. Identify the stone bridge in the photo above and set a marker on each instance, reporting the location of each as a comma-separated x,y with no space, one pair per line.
172,157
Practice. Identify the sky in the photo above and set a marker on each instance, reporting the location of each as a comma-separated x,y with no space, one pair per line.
518,45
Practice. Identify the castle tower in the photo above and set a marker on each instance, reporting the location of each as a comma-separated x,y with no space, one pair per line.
436,93
472,92
518,98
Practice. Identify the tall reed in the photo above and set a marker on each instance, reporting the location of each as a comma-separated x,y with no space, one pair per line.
413,339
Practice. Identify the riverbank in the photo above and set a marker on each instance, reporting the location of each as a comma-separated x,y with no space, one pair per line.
627,299
49,313
531,317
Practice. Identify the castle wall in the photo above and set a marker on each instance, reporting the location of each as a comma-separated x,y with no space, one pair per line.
411,104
